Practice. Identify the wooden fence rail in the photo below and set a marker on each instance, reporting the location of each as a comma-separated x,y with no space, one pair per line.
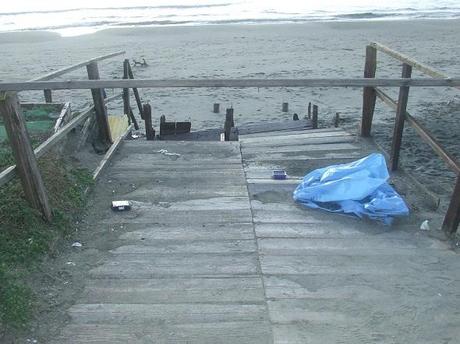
230,83
65,70
452,217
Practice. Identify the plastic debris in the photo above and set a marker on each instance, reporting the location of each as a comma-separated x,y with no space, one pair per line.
425,226
358,188
70,263
77,244
121,205
166,153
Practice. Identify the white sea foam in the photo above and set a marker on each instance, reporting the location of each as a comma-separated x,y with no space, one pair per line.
81,17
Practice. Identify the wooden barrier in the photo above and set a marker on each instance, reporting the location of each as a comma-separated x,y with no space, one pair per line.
400,118
229,83
452,217
62,71
26,162
149,131
314,117
369,96
99,107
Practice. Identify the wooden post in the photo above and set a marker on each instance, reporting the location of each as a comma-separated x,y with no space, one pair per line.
135,91
314,118
216,108
48,96
337,119
452,218
26,163
229,116
99,106
309,110
400,118
149,132
229,124
126,101
285,107
369,95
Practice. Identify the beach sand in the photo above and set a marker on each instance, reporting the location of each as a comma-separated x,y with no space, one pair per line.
331,50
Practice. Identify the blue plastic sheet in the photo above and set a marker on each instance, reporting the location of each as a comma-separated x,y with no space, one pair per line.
358,188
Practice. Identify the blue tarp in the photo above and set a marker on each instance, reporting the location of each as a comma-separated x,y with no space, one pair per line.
359,188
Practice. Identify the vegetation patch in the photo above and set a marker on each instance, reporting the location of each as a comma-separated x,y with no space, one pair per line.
25,238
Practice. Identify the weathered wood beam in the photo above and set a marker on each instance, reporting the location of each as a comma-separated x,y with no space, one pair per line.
65,70
9,173
109,154
99,106
424,134
314,117
149,132
369,92
400,118
452,218
26,162
232,83
410,61
135,91
48,96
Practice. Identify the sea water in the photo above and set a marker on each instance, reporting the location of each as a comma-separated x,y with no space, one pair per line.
76,17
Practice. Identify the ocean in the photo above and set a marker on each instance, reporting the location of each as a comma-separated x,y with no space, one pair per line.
71,17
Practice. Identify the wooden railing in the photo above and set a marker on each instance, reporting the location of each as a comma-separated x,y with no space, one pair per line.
25,157
369,83
370,94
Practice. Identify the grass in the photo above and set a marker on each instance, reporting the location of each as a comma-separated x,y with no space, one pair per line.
25,237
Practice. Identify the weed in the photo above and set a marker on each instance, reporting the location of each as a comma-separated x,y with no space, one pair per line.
25,237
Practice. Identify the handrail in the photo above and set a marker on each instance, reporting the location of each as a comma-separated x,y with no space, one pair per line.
65,70
450,160
452,218
232,83
410,61
7,174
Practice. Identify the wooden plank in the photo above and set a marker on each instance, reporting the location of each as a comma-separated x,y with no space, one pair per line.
99,107
162,248
126,105
329,147
26,162
189,232
65,112
294,140
410,61
229,332
175,290
156,314
284,133
136,92
110,153
196,265
425,135
65,70
369,95
452,218
231,83
399,121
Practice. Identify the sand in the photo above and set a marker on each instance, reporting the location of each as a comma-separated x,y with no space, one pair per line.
264,51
